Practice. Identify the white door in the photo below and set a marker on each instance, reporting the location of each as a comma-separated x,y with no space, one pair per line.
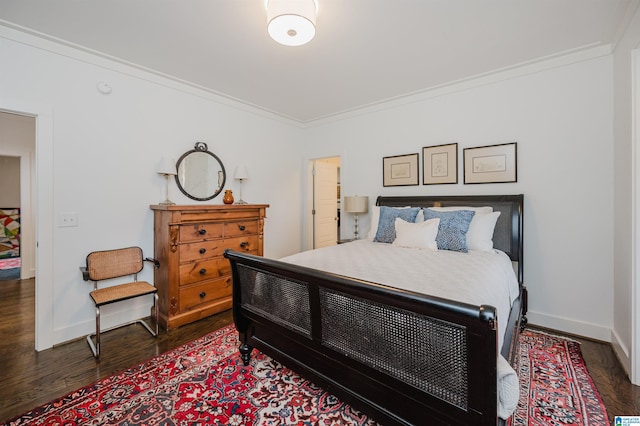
325,204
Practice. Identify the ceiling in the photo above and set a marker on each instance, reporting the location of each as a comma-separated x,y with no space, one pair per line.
365,51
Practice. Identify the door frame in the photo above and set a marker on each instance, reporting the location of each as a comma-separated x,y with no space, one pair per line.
42,195
25,156
635,284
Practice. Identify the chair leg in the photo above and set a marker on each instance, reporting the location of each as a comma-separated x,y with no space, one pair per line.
154,318
95,348
98,331
155,311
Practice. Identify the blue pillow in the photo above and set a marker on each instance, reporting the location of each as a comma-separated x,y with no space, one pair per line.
452,231
387,223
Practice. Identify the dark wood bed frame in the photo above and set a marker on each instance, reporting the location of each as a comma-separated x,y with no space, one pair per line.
398,356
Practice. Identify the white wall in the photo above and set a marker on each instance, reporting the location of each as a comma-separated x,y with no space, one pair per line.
106,150
561,118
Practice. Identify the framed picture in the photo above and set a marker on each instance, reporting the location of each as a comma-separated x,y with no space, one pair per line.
491,164
400,170
440,164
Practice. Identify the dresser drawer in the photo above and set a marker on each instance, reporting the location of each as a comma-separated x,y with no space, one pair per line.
201,231
203,250
194,296
204,270
247,227
247,244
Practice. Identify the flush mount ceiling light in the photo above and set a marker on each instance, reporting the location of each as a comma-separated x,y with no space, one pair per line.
292,22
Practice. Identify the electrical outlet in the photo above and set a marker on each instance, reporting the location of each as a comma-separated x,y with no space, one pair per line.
68,219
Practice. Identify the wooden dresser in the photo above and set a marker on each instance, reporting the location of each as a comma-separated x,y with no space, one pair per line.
194,280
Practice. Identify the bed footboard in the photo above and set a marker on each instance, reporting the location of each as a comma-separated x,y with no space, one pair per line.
400,357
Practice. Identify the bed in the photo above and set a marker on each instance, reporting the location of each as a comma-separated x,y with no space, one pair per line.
401,355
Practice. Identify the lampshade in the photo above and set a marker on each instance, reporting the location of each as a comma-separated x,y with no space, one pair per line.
291,22
355,204
241,173
167,167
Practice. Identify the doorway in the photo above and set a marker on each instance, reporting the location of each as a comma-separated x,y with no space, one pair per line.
17,242
36,187
325,202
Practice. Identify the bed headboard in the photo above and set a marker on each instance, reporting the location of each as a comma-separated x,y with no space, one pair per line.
507,235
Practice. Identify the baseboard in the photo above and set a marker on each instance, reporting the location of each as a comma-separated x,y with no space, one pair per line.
107,320
622,353
579,328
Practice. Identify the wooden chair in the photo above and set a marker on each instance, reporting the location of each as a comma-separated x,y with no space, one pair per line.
108,264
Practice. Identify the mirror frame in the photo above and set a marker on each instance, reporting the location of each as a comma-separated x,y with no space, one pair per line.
200,147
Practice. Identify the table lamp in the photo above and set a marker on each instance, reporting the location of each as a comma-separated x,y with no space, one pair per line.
356,204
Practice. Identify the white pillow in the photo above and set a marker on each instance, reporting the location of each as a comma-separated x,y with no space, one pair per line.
480,233
484,209
420,235
375,218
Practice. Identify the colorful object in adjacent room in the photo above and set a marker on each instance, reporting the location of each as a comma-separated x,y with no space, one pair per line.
9,233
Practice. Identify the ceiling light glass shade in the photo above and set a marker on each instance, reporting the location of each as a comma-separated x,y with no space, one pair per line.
291,22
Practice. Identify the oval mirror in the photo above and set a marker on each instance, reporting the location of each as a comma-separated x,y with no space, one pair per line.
201,175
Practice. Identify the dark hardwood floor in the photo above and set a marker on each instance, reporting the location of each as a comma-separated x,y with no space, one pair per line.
31,378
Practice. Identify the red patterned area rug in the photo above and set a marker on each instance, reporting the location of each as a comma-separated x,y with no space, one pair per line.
205,383
201,383
555,386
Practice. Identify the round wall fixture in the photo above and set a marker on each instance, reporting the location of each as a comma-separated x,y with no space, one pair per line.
104,88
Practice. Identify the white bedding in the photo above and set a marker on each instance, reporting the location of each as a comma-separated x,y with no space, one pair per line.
476,277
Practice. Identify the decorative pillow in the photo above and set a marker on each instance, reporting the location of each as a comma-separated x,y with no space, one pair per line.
480,233
452,232
375,218
386,225
420,235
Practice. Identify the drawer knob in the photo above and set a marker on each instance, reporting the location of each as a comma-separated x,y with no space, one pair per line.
203,250
244,244
242,227
203,271
202,231
203,294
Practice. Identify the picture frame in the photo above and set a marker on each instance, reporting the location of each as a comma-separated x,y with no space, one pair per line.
440,164
400,170
491,164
